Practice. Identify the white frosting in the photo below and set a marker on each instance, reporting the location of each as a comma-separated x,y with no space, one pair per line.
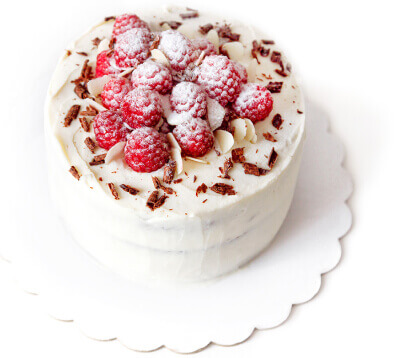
185,239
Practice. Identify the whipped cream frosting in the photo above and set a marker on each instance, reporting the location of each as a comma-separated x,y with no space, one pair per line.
186,221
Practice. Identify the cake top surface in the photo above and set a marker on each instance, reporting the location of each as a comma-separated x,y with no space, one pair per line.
208,145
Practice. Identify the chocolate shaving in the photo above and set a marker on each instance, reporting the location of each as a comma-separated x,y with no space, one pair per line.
264,52
201,189
74,172
82,53
253,169
255,50
194,178
228,164
169,172
71,114
276,57
223,189
268,42
158,185
299,112
90,144
109,18
177,181
81,91
225,32
281,72
85,124
96,42
90,111
68,53
154,201
129,189
269,136
189,15
272,158
113,190
85,75
111,45
274,87
205,28
237,155
98,159
173,24
277,121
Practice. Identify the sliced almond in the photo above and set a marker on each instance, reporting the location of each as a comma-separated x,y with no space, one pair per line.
235,50
187,30
158,125
177,118
254,139
250,130
96,85
176,155
251,68
240,128
197,160
225,140
116,152
165,26
95,104
126,72
159,56
103,45
213,36
216,113
173,141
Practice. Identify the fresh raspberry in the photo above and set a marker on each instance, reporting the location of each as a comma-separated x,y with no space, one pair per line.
254,102
178,49
202,44
103,65
109,129
219,77
127,22
114,91
146,150
195,137
190,98
152,75
243,74
142,108
132,48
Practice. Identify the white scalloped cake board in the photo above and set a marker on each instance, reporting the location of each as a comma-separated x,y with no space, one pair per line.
72,286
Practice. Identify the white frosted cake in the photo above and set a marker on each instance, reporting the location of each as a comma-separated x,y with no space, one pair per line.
174,142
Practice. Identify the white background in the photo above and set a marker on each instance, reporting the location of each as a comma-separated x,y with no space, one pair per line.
343,51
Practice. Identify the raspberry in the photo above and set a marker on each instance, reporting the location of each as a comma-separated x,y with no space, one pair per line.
152,75
114,91
190,98
132,48
195,137
220,78
103,66
109,129
127,22
142,108
178,49
243,74
254,102
202,44
146,150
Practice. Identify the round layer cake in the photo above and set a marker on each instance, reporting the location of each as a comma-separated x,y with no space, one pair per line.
174,142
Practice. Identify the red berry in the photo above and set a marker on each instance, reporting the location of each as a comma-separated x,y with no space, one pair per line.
179,51
132,48
127,22
219,77
190,98
103,65
254,102
146,150
194,136
142,108
114,91
152,75
109,129
243,74
202,44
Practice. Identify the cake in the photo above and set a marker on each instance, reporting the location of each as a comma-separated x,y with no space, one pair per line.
174,141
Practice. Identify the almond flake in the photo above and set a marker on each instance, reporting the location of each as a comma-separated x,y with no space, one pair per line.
95,86
159,56
240,128
115,152
251,70
196,160
216,113
126,72
177,157
213,36
173,141
250,129
225,140
103,46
